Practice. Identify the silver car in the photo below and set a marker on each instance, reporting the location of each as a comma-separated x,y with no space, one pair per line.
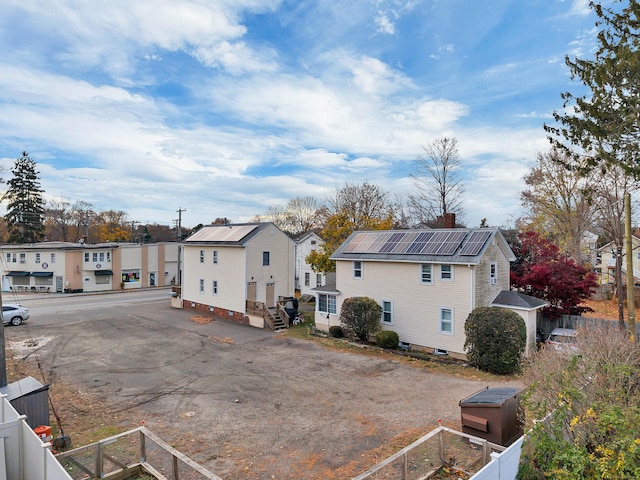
14,314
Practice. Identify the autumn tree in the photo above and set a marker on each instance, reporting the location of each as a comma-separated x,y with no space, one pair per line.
114,226
559,202
541,271
25,209
354,207
600,128
438,185
299,215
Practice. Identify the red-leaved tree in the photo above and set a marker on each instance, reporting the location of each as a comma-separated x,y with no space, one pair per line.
541,271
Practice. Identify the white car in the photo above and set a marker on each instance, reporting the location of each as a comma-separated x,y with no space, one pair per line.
14,314
564,339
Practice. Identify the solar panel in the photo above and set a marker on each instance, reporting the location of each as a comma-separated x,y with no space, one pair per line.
451,243
391,243
356,243
475,243
405,242
418,244
434,243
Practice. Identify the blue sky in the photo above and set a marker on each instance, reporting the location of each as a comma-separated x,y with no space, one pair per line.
224,107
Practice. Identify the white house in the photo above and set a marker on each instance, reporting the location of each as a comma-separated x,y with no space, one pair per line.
427,281
306,278
606,268
230,270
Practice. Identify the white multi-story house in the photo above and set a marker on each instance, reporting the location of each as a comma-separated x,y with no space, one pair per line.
306,278
427,283
229,269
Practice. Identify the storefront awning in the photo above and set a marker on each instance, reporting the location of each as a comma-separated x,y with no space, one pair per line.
100,273
42,274
17,274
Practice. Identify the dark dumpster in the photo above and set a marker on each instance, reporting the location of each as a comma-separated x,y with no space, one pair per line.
31,398
493,414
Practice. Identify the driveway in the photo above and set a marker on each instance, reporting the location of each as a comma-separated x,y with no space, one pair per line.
243,402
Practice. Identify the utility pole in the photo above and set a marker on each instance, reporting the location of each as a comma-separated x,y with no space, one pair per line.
180,210
3,358
631,313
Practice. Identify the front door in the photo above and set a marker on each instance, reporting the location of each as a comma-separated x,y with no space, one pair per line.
251,292
59,281
270,299
152,279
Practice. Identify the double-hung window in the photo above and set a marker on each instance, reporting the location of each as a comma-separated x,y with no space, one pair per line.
201,256
306,279
318,279
266,259
23,258
357,269
426,273
53,258
326,303
215,287
446,272
215,256
37,258
493,273
446,320
387,311
201,285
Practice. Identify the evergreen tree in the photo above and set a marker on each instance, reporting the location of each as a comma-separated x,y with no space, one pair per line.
25,210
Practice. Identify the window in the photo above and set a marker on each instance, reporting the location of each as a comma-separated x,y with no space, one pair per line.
201,285
387,308
53,258
446,272
95,257
103,279
215,287
426,275
130,276
306,279
23,258
14,258
37,258
8,257
318,279
265,259
86,256
215,256
201,256
493,273
102,256
357,269
326,303
446,321
108,256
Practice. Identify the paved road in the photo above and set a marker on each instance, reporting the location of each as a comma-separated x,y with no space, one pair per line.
244,402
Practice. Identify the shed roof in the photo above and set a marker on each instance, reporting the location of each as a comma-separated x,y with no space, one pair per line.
517,300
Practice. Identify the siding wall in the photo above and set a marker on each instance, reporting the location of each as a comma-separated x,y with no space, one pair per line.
281,263
416,306
302,251
485,292
229,272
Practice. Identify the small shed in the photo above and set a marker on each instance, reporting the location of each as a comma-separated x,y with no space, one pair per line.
31,398
493,414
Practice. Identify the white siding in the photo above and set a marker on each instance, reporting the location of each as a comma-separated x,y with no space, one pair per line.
302,267
416,306
281,262
229,272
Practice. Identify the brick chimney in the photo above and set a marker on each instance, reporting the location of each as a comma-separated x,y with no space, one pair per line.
449,220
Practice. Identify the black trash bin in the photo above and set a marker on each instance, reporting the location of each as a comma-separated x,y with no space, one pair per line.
493,414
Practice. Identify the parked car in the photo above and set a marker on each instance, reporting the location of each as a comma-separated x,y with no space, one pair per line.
14,314
563,339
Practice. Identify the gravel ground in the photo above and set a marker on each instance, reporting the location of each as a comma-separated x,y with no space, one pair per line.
244,403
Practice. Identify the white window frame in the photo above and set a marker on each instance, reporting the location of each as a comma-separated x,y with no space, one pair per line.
307,279
8,257
13,258
318,279
442,320
202,285
358,269
266,258
443,273
423,273
53,258
94,257
102,256
387,313
493,273
108,256
23,258
215,256
201,256
329,303
215,287
37,257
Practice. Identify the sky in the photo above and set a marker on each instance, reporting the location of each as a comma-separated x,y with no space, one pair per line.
223,108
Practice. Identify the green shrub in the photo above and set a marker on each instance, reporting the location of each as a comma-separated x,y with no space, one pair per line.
387,339
496,339
336,331
361,316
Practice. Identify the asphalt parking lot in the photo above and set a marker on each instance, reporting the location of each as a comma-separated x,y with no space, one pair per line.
243,402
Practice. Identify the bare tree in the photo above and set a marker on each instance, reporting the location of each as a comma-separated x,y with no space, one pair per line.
559,202
360,203
299,215
438,185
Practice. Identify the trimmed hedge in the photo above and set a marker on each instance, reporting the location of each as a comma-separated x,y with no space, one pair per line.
387,339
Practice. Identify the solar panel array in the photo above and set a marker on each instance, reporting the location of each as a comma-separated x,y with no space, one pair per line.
432,242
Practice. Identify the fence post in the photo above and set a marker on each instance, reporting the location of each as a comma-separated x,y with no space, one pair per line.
405,467
175,468
441,442
143,448
98,471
